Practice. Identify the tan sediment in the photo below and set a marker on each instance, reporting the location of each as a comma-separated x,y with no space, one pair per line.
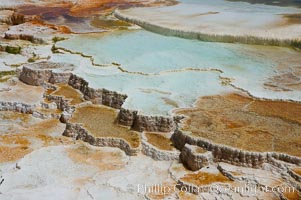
69,93
42,130
6,75
287,79
170,102
17,142
285,110
204,14
100,121
245,123
297,171
157,194
9,115
187,196
101,22
14,139
152,90
18,92
159,141
5,79
48,111
49,91
292,195
43,127
205,178
29,128
8,154
292,19
98,158
200,150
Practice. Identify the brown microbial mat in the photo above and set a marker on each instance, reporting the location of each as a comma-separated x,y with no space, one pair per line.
297,171
246,123
100,121
205,178
104,159
69,93
160,141
20,134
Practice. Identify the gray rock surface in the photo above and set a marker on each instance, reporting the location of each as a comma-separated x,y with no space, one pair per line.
153,123
16,106
126,117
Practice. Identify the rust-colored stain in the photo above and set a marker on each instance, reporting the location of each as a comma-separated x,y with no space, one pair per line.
246,123
160,141
100,121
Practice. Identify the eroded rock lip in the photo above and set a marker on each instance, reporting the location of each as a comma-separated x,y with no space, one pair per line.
44,72
204,116
195,157
38,73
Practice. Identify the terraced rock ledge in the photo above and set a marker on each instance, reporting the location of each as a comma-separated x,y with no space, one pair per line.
158,146
45,72
97,133
72,95
274,39
95,124
53,122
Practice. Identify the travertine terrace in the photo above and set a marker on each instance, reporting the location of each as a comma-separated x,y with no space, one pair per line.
94,107
209,22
